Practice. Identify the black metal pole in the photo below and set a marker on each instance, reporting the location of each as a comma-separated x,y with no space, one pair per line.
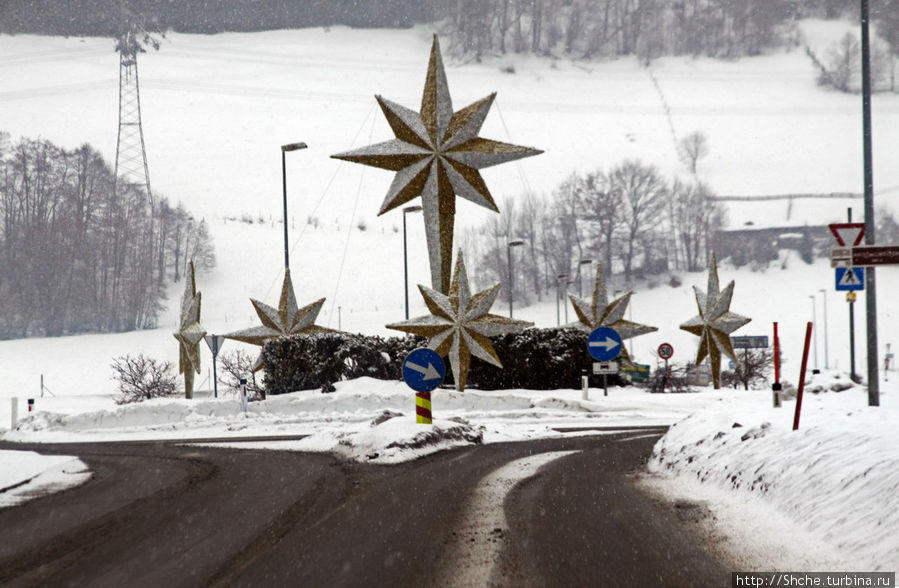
405,267
870,281
284,191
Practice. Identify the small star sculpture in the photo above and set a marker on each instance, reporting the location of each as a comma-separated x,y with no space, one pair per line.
285,320
437,155
714,323
190,333
599,312
459,324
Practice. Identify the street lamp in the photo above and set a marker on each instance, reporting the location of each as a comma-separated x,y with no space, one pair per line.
583,262
559,279
814,330
509,247
826,355
405,256
284,150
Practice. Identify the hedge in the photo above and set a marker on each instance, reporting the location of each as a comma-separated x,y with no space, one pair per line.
535,359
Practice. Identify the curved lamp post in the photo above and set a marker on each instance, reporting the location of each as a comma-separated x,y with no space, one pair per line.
284,150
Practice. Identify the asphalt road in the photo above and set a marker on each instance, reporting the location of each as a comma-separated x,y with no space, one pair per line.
166,515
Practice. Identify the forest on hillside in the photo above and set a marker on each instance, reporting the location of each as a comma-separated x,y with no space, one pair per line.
579,28
80,254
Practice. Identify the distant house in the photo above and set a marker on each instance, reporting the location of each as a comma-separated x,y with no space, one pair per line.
791,221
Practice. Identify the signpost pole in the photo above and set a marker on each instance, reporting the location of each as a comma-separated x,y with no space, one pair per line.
870,283
605,385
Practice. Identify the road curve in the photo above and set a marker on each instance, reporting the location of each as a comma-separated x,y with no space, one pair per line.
164,515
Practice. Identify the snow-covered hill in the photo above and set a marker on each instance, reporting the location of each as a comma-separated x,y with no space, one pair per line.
217,108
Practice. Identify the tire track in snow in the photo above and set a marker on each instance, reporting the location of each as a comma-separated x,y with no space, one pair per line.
475,546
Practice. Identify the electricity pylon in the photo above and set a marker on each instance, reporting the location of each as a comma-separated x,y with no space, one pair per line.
131,168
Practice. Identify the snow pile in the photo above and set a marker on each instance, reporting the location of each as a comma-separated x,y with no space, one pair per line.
835,476
26,474
395,437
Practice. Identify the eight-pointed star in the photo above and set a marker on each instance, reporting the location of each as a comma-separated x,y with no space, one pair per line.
437,155
190,333
287,319
599,312
459,324
715,322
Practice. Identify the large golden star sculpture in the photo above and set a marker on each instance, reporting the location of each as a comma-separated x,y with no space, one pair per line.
459,324
285,320
437,155
190,333
714,323
599,312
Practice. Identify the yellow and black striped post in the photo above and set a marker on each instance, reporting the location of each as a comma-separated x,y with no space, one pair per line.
423,408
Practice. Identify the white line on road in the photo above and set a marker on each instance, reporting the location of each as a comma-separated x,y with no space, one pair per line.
474,548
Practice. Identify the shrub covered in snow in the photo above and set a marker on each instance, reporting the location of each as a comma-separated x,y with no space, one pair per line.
536,359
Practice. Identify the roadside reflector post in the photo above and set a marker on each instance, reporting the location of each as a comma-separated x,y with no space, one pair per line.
585,384
808,339
14,413
776,387
243,394
423,408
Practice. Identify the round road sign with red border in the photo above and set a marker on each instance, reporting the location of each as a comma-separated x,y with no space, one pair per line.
666,351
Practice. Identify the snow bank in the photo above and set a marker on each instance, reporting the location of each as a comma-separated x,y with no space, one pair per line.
26,474
836,476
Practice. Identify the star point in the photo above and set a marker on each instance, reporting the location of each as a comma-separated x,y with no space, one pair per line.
600,312
460,325
283,321
189,333
715,322
437,155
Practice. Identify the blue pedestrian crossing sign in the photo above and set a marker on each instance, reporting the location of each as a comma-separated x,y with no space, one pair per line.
604,344
850,278
423,369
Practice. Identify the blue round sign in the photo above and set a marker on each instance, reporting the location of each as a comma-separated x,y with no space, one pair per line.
604,344
423,370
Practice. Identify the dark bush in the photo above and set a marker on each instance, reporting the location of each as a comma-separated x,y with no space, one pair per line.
307,362
536,359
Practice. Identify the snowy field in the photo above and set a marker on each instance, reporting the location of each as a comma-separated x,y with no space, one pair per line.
216,108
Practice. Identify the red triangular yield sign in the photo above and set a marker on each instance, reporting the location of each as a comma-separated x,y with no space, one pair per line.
848,234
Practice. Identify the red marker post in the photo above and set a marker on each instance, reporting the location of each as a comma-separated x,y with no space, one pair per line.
776,387
808,339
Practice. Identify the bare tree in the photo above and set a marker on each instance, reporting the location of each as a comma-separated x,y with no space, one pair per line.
692,148
602,209
642,191
696,215
142,378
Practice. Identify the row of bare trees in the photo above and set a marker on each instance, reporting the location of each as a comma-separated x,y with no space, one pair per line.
630,218
76,257
590,28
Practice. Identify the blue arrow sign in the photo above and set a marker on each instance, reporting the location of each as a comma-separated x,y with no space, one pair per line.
850,278
604,344
423,370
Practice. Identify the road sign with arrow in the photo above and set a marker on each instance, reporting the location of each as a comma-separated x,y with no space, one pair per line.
423,370
604,344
